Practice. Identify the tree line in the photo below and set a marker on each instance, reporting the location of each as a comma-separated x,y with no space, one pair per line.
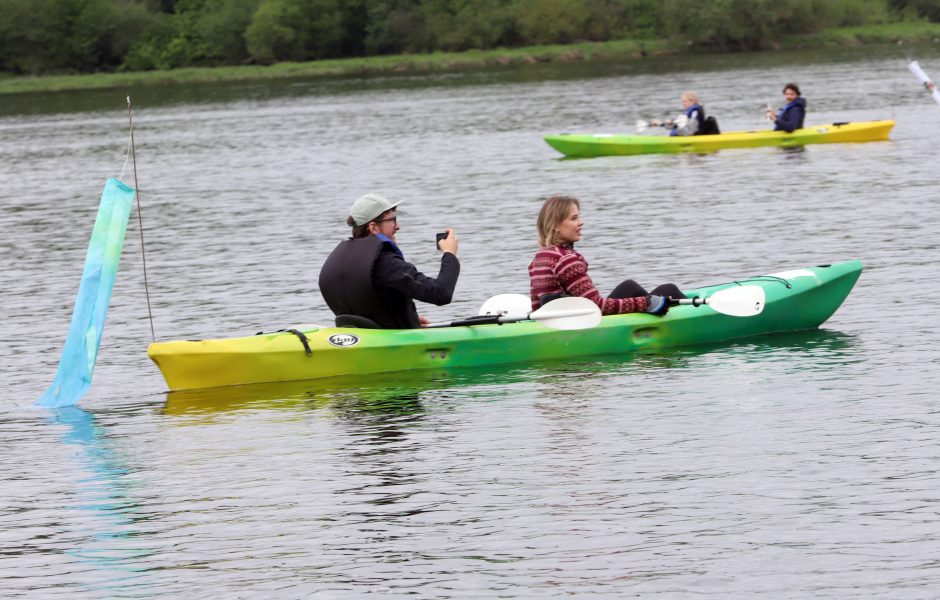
85,36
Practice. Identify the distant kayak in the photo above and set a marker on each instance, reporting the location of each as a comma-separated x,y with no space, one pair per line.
586,145
792,300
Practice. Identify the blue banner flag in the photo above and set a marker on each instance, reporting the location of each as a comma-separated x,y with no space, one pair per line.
91,307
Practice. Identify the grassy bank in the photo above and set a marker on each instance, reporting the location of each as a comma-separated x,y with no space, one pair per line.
917,32
891,33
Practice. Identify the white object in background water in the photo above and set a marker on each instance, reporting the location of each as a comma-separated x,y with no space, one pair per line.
914,67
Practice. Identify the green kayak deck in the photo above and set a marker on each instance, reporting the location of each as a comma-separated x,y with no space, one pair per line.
795,300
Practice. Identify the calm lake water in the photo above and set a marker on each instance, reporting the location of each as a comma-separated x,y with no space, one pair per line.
794,466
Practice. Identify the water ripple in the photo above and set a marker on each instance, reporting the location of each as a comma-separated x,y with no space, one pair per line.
794,466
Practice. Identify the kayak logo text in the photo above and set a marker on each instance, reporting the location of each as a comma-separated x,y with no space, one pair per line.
343,339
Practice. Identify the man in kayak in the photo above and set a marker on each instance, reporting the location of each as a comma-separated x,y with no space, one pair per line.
560,270
367,275
690,121
791,116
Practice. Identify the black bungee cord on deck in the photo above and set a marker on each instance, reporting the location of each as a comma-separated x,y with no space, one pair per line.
771,278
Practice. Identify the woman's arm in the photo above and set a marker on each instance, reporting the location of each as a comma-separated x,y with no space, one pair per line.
573,276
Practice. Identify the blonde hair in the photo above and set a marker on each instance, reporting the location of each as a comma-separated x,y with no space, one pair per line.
555,210
690,96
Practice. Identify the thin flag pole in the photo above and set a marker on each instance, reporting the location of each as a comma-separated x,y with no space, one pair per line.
140,219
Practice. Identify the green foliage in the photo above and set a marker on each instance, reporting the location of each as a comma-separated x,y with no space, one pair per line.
71,36
454,25
273,34
195,32
395,27
295,30
167,44
221,29
641,17
552,21
354,26
39,36
758,24
928,9
726,24
20,44
565,21
854,13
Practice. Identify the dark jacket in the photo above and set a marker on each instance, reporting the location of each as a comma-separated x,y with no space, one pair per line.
791,116
370,278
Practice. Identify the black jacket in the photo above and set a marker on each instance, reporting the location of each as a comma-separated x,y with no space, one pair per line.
370,278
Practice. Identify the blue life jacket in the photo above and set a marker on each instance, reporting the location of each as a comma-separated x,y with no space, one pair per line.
688,113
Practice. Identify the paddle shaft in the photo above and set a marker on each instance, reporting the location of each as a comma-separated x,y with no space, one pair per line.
501,319
689,301
477,320
642,126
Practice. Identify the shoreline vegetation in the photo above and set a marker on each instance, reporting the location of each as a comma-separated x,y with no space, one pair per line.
921,33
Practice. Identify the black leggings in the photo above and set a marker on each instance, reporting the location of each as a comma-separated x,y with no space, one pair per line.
631,289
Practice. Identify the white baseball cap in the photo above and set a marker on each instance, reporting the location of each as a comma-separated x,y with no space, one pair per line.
369,207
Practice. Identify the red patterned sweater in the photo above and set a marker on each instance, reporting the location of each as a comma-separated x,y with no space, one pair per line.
561,269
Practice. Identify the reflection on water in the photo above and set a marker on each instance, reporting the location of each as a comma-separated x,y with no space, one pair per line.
793,153
403,394
397,391
827,347
106,540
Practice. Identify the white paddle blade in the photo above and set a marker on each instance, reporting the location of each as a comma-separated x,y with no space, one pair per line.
570,312
914,67
506,304
681,120
743,301
641,126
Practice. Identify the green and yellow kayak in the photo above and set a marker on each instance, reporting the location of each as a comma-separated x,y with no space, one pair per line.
600,144
794,300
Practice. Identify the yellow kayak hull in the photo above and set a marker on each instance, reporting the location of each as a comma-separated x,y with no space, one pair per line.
588,145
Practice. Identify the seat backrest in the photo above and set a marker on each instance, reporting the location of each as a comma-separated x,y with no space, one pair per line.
709,127
356,321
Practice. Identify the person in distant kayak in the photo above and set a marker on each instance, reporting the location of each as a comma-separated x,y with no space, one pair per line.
790,117
368,276
560,270
690,121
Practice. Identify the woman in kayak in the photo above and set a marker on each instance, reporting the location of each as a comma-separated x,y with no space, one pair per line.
791,116
560,270
691,119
